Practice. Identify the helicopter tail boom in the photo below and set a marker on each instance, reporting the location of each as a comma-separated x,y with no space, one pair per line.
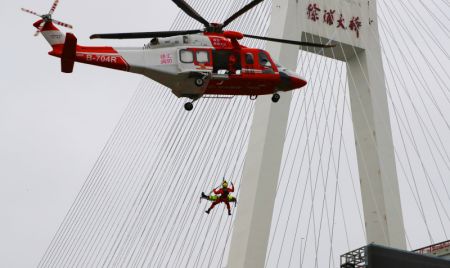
65,47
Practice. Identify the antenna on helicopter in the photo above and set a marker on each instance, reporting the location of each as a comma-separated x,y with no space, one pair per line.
47,18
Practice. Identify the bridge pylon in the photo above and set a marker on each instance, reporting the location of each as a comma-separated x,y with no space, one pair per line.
354,28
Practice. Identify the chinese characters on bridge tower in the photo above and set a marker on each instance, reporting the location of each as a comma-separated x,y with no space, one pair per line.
328,16
341,22
313,12
355,24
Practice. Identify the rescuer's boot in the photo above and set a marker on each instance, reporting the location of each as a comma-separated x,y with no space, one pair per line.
208,211
204,196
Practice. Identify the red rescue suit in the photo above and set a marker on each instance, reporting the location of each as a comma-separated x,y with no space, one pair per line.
224,197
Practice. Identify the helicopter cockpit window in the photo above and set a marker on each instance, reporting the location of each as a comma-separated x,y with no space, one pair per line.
202,56
186,56
265,62
249,58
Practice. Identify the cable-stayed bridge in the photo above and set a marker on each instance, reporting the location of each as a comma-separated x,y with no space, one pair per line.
140,204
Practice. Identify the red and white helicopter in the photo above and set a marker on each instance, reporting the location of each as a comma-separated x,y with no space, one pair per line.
192,63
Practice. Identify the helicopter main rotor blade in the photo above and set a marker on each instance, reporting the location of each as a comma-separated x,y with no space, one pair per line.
142,34
191,12
292,42
240,12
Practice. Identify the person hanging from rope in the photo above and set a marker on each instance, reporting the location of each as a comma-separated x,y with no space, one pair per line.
220,195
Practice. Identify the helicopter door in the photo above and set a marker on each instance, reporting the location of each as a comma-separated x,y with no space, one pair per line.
220,61
226,62
257,71
251,73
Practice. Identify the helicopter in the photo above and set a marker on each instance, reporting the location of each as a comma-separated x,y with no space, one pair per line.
192,63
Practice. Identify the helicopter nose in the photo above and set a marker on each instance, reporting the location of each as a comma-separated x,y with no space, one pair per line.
290,81
297,82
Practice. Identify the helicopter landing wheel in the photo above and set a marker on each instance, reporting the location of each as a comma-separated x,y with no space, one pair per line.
199,82
253,97
275,97
188,106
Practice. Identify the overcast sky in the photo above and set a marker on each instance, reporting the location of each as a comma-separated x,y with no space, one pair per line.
53,125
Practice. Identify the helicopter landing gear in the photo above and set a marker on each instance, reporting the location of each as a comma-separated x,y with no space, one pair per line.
188,106
200,78
275,97
199,82
253,97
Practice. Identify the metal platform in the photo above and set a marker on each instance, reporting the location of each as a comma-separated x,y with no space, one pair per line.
375,256
441,250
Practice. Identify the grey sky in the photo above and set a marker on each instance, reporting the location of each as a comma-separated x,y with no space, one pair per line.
53,125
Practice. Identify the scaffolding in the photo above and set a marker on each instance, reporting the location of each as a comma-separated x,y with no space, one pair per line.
354,259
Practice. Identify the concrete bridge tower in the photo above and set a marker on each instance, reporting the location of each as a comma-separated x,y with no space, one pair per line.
353,26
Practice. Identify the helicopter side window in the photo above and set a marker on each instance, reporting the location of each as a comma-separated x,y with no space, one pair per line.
249,58
186,56
202,56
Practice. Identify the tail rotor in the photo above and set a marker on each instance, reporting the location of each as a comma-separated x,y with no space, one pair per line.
47,18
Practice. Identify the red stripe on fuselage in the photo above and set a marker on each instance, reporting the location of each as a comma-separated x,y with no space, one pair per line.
106,57
102,56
